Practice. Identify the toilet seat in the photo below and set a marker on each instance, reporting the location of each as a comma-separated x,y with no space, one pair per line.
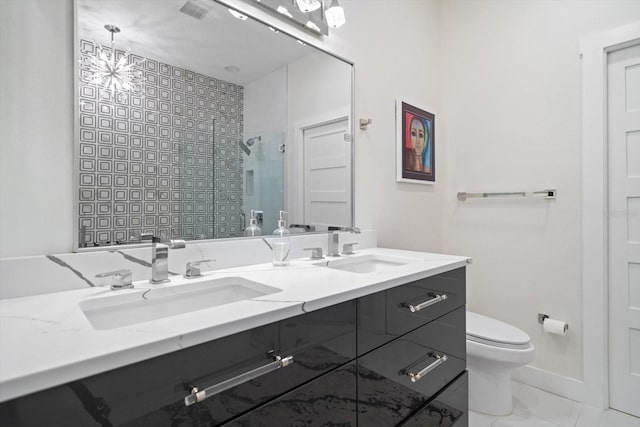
492,332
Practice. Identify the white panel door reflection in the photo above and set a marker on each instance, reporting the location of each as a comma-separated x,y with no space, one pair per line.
327,172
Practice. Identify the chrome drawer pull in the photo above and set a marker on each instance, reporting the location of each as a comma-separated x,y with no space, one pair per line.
440,359
436,299
200,395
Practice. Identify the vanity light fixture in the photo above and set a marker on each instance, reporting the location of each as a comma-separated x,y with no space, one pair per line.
283,10
323,14
335,14
313,26
238,15
307,6
111,74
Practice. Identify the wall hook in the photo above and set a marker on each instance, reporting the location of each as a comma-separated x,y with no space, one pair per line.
364,123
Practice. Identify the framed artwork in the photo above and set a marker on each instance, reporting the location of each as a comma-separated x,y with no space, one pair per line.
415,144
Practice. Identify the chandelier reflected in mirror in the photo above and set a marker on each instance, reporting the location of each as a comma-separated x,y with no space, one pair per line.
114,72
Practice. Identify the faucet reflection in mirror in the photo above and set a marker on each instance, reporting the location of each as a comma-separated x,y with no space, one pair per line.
112,73
148,162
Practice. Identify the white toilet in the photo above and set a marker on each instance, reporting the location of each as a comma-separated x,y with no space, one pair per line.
494,349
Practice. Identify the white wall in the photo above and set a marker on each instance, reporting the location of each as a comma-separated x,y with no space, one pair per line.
265,103
36,127
394,45
512,121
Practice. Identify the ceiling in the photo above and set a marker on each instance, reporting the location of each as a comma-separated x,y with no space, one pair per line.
156,29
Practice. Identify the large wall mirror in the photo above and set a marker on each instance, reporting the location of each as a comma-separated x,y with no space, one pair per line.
217,116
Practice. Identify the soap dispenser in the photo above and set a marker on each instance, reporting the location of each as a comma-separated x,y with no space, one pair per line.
253,229
281,245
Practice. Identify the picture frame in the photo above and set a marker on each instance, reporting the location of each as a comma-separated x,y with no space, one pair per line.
415,144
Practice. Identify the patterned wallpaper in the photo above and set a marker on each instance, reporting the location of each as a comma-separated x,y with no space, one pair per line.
164,161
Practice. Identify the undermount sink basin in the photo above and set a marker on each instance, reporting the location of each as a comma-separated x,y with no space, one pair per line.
367,263
129,308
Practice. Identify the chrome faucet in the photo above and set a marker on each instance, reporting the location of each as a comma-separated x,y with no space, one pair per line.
192,270
160,256
306,228
334,239
122,277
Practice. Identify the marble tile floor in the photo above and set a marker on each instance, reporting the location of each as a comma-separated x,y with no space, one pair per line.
533,407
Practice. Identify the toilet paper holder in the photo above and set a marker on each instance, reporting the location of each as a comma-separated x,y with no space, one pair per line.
542,317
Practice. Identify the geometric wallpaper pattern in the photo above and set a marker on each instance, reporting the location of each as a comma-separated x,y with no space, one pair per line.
164,161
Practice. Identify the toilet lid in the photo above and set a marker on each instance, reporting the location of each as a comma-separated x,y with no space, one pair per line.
493,332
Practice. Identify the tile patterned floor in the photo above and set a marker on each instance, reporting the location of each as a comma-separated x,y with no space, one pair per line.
533,407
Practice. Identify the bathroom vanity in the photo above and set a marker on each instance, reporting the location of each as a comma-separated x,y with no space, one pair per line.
374,339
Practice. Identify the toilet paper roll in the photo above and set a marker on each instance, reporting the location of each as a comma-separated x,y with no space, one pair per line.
557,327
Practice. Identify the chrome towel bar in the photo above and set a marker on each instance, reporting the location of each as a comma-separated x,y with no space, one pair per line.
545,194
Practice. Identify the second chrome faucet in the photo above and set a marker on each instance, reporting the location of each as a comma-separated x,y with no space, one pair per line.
160,256
334,240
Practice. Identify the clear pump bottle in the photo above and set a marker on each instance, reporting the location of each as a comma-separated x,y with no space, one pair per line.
253,229
281,244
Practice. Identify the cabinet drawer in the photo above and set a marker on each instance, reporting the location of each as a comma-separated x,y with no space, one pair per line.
318,341
448,409
435,354
328,400
153,392
386,315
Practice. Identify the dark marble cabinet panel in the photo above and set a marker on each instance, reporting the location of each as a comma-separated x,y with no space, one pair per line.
386,315
152,392
154,389
327,401
448,409
319,342
387,394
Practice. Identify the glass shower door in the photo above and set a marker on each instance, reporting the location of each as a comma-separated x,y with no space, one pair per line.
263,176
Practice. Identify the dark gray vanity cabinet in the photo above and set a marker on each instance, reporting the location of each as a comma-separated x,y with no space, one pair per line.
396,357
402,376
411,349
153,392
389,314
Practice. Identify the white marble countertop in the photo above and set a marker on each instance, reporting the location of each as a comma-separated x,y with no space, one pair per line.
47,340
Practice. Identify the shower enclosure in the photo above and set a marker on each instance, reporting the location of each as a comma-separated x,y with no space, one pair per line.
262,169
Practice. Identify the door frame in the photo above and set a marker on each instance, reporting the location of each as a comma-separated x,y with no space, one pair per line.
595,260
296,192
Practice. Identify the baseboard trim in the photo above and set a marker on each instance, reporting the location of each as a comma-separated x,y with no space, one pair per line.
548,381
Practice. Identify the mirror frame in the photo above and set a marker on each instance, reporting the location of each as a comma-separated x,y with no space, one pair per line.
262,17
